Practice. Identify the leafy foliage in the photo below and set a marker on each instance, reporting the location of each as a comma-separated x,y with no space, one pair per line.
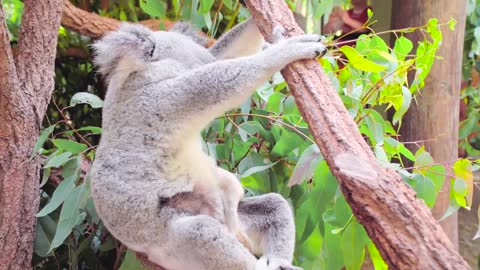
266,142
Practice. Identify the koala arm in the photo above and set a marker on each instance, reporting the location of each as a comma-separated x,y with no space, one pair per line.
224,84
242,40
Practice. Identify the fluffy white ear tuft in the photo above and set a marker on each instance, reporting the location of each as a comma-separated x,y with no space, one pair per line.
132,42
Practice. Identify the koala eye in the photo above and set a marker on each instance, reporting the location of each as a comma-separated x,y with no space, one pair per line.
149,54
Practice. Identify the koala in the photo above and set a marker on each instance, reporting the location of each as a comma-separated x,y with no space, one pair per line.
153,187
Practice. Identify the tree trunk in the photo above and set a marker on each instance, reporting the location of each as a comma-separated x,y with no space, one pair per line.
26,88
400,225
435,115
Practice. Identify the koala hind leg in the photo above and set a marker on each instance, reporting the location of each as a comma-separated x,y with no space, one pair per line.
267,220
201,243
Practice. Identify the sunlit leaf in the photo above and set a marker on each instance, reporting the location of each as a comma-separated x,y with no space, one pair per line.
462,169
359,62
377,259
403,46
406,101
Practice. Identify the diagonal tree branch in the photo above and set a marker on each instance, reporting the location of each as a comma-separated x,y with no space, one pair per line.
401,226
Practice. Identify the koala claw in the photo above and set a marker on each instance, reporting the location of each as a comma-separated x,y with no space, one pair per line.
278,33
321,53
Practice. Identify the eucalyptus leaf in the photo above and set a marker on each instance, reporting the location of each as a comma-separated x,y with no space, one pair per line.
306,165
42,139
69,215
257,169
359,62
58,160
69,146
59,196
153,8
87,98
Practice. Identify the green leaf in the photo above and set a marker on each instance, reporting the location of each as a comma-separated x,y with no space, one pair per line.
41,140
310,212
228,4
377,259
59,195
131,262
452,208
69,146
425,189
376,126
275,104
406,101
288,141
427,178
69,215
91,129
359,62
332,249
205,6
462,169
59,160
153,8
45,231
459,193
306,164
45,176
353,242
257,169
403,46
87,98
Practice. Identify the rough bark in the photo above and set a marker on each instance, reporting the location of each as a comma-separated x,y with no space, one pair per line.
439,98
24,95
401,226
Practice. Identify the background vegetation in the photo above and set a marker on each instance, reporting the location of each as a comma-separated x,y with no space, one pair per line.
266,142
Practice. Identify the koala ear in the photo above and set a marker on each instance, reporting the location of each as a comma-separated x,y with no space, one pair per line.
187,29
132,41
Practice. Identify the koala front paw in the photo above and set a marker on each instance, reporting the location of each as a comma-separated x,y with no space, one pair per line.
298,48
273,263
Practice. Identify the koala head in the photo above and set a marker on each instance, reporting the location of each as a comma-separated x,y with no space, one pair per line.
138,46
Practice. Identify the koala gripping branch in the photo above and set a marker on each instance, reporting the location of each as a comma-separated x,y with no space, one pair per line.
401,226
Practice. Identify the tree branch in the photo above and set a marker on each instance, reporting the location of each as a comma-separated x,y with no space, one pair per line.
94,25
400,225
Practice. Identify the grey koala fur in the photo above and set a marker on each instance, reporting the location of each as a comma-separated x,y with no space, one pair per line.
153,187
